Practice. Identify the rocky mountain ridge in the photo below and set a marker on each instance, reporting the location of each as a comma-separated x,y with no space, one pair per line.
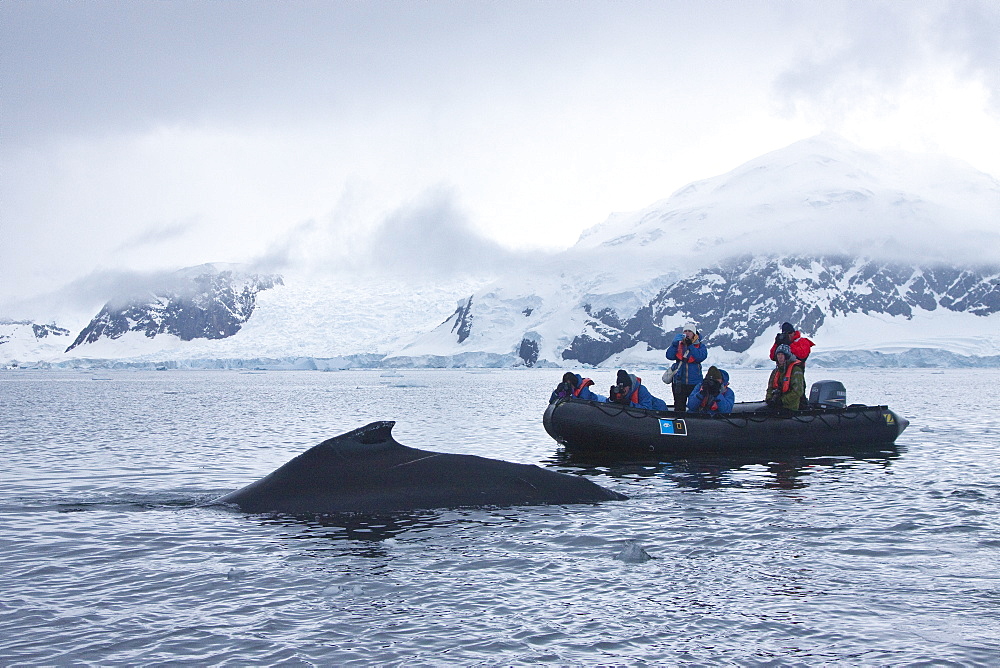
862,252
736,303
210,304
821,233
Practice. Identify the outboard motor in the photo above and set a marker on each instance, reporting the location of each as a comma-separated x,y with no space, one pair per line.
828,394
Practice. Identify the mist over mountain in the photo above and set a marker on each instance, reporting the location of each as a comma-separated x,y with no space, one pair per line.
880,257
837,240
820,196
196,303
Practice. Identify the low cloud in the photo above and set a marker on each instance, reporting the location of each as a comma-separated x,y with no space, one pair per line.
875,49
155,236
430,236
80,300
970,31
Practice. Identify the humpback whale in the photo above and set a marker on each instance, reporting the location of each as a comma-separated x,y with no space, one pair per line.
367,471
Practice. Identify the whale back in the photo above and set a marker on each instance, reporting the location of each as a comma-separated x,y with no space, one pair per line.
367,471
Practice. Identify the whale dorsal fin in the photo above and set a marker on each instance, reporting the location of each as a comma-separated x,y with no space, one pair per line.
376,432
363,439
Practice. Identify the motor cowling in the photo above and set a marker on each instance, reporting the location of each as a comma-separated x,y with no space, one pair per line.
828,394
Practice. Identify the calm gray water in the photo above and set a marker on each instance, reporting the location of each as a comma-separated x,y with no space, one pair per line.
110,559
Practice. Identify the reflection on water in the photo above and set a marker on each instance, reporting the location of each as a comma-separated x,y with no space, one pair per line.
771,470
372,528
354,527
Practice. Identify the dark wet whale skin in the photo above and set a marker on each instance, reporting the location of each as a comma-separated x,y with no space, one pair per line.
367,471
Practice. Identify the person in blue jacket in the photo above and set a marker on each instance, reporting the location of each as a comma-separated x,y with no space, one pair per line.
712,395
575,385
630,391
687,352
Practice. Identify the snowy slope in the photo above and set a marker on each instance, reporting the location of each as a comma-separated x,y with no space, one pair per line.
820,196
206,302
820,233
864,252
24,341
329,316
300,315
543,306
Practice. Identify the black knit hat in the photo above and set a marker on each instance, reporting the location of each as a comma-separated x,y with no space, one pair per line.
787,328
570,377
623,377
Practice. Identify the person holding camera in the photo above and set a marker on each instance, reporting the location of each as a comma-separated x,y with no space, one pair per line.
629,390
791,337
688,352
712,395
786,388
575,385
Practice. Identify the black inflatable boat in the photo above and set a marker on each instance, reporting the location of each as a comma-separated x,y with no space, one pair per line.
825,426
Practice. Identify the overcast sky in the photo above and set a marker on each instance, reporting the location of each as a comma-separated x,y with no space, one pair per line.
150,135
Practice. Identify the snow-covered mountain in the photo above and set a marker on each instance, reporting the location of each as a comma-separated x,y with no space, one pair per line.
205,302
881,259
913,314
820,196
739,303
26,341
224,316
864,252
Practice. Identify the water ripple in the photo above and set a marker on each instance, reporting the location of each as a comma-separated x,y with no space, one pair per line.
111,557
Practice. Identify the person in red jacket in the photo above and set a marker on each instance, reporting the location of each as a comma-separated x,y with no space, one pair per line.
791,337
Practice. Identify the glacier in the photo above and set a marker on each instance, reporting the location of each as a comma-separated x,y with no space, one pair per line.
882,259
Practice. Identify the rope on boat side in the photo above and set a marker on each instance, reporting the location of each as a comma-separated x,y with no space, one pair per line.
744,419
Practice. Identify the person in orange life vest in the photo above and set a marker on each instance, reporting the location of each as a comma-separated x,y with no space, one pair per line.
798,344
786,388
630,391
713,394
687,352
575,385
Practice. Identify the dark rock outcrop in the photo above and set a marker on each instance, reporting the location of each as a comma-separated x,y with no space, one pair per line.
735,302
209,305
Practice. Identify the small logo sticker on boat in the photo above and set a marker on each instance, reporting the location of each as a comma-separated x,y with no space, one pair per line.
669,427
888,418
